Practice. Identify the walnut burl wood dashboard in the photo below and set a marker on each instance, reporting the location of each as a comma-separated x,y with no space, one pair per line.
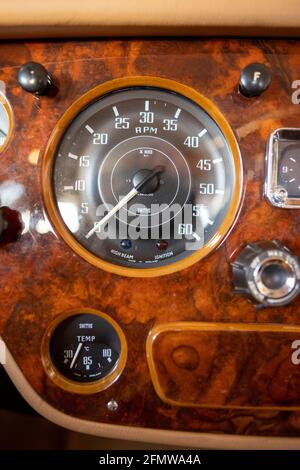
188,351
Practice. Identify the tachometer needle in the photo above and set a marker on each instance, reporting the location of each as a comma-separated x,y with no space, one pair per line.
76,355
134,191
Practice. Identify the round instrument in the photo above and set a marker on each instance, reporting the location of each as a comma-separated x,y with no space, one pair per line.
6,122
84,351
289,170
142,176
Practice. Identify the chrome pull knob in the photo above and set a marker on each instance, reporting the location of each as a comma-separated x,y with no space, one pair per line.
267,273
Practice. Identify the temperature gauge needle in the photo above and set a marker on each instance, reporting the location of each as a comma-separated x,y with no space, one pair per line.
76,355
134,191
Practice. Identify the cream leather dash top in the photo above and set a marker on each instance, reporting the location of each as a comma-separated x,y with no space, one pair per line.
63,18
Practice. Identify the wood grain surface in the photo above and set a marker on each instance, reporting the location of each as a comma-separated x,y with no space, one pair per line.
40,277
216,365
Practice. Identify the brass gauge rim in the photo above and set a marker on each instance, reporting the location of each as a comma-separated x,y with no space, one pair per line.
72,386
100,91
6,105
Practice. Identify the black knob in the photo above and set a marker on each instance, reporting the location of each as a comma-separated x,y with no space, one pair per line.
34,78
254,80
267,273
10,225
149,186
3,223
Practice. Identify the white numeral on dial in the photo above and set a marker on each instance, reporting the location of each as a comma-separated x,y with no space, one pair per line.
207,188
170,125
192,141
204,165
84,161
84,208
185,229
146,117
100,139
80,185
121,123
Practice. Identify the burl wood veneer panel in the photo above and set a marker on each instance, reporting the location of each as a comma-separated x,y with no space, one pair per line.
40,277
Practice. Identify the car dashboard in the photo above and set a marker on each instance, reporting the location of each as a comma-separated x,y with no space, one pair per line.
150,253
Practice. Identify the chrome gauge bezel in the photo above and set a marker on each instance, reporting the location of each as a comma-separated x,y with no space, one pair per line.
274,192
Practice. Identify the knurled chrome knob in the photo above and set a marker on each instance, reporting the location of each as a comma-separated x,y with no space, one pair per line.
267,273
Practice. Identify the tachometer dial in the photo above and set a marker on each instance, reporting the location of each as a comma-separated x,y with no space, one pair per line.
142,179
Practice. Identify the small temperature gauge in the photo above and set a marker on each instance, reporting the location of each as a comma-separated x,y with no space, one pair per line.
85,348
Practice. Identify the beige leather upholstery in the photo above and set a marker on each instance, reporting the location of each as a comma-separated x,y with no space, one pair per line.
190,440
61,18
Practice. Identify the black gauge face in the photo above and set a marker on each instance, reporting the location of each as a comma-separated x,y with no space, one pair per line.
85,348
289,169
143,177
